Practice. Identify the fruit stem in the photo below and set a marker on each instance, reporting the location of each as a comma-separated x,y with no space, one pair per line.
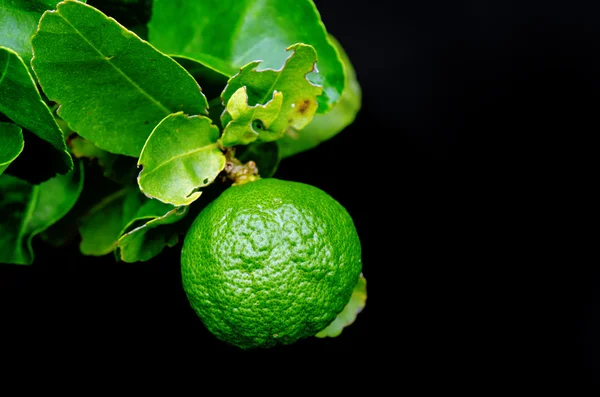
237,171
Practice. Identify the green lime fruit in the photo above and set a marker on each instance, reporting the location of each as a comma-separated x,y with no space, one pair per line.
270,262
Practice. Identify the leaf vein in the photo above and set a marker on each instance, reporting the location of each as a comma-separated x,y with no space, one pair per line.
5,71
133,83
153,170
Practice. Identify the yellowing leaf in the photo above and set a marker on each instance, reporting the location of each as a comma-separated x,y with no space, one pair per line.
348,315
299,96
250,123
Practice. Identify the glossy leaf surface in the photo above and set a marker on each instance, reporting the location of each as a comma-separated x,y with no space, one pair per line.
181,156
228,34
112,86
21,102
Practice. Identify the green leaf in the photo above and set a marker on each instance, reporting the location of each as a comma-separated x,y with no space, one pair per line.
228,34
112,86
348,315
264,154
128,223
21,102
28,209
249,123
147,239
325,126
11,144
19,20
181,155
298,102
101,227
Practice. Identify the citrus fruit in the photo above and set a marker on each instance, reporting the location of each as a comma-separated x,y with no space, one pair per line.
270,262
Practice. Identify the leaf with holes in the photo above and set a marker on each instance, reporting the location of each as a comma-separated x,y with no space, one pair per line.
348,315
11,144
181,155
299,102
249,123
228,34
22,103
326,126
28,210
113,87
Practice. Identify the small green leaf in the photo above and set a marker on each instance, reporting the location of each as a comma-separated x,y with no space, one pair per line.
11,144
21,102
228,34
147,239
299,95
181,155
264,154
249,123
112,86
28,210
348,315
19,20
325,126
101,227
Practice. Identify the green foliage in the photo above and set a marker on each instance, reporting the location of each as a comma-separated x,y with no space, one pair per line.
248,123
117,106
11,137
79,81
228,34
18,22
129,223
21,102
293,102
28,210
151,231
325,126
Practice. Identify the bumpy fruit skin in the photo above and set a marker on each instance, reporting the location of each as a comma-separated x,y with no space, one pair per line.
270,262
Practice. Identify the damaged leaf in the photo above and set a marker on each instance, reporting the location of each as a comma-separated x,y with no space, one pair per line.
299,96
112,87
228,34
181,155
250,123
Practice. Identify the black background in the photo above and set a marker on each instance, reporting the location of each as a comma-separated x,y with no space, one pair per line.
500,74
